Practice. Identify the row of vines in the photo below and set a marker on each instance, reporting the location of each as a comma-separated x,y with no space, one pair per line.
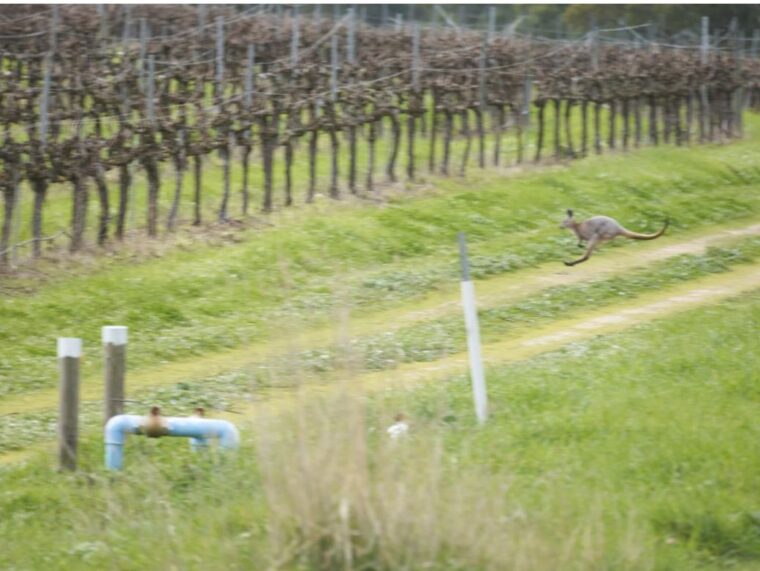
91,97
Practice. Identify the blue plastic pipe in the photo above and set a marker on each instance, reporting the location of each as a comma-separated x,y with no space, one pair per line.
199,430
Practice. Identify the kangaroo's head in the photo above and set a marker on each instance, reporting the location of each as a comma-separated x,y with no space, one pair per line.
568,222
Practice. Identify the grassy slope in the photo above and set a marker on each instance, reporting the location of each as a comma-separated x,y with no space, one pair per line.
633,451
424,340
658,421
206,298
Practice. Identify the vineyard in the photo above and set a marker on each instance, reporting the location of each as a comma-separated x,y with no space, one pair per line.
94,99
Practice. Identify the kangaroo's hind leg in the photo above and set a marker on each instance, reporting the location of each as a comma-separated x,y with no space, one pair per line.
592,243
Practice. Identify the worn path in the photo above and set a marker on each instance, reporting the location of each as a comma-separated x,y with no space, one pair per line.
493,292
490,293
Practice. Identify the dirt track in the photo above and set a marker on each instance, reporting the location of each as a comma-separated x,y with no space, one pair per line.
490,293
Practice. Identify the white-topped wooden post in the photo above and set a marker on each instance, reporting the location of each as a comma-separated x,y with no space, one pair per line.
473,336
115,366
69,354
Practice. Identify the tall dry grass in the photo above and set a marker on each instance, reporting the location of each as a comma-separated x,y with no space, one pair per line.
342,495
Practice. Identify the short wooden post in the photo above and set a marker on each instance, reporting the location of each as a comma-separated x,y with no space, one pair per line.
115,360
69,354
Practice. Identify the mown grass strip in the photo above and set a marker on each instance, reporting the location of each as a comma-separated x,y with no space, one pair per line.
428,341
628,449
199,302
659,419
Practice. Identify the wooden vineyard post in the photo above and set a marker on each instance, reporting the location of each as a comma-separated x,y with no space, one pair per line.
219,52
69,354
126,30
295,38
491,24
334,190
411,109
54,29
481,108
247,134
115,366
349,108
523,121
151,91
705,122
143,50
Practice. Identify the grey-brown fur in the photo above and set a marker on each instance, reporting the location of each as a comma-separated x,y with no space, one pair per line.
599,229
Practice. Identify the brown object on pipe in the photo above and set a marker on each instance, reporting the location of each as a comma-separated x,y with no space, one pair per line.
154,425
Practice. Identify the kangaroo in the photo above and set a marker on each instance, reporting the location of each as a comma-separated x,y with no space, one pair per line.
599,229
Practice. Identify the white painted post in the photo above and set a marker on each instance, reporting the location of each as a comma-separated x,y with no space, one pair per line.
69,354
473,335
114,370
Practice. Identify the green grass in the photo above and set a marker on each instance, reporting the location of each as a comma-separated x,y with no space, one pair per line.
196,298
637,450
658,420
426,341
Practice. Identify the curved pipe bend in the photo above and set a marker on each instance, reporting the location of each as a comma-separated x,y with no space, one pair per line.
199,430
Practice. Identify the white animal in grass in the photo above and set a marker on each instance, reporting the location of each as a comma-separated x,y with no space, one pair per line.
400,428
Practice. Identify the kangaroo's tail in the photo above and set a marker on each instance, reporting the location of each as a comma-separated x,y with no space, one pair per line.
637,236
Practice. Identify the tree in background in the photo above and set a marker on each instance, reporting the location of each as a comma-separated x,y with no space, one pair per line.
670,19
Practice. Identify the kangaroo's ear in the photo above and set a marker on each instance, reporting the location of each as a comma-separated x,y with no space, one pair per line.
570,212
